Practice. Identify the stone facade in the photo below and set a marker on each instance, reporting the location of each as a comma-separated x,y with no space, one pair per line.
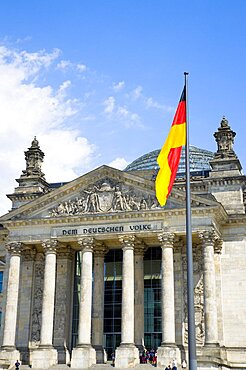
53,309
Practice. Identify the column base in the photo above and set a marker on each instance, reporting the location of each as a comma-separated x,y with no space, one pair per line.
126,355
211,350
63,355
44,357
167,353
83,356
210,357
101,355
140,348
8,357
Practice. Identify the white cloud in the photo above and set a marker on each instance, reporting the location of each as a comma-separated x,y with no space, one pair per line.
118,86
137,92
109,104
131,118
81,67
74,152
64,64
28,109
27,64
120,112
151,103
123,112
119,163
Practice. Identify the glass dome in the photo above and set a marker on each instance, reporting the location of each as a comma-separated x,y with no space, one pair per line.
199,161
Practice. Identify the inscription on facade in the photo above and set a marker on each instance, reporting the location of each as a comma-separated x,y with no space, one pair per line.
107,229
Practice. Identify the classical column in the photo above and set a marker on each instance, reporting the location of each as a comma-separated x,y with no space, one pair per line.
14,250
139,295
63,299
46,356
168,350
84,355
98,302
217,262
208,239
127,354
25,301
49,293
167,289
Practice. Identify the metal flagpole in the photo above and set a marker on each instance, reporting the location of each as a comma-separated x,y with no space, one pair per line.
190,284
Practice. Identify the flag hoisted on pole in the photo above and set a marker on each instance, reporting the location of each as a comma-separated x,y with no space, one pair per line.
168,161
169,156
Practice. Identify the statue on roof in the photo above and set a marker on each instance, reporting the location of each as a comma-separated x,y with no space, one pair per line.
224,137
34,159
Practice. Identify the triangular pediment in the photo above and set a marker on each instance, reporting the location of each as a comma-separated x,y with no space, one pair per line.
104,190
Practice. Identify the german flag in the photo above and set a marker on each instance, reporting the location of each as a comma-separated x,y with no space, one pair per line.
170,153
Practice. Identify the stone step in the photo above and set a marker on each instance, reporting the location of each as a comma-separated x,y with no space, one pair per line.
107,366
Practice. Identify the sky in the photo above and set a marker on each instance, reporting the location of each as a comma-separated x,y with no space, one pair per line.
98,81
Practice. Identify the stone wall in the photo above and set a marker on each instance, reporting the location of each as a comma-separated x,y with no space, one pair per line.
233,271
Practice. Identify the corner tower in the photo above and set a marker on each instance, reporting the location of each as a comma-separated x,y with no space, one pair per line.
225,161
225,178
32,183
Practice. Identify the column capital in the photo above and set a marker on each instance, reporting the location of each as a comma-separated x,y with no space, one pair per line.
139,248
207,237
39,257
167,239
65,252
218,245
29,254
50,246
127,241
87,243
14,248
100,249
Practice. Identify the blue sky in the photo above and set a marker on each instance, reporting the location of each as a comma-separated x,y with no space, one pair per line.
98,81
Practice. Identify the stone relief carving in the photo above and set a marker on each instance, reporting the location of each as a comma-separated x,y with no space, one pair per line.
105,197
198,298
37,300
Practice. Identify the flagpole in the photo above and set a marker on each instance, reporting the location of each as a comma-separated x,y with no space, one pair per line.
190,284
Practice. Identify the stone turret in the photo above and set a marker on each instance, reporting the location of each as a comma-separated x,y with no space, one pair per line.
225,161
226,181
32,183
34,159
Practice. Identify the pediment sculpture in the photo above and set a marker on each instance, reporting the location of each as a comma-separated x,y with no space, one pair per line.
105,197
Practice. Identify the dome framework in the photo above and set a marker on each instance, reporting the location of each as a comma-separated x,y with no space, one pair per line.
199,161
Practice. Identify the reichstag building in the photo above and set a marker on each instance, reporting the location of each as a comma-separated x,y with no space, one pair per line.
96,267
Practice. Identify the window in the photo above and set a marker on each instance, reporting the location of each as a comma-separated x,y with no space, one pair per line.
1,281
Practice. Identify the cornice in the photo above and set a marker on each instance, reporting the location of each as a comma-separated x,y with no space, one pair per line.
25,196
235,180
203,182
237,219
217,211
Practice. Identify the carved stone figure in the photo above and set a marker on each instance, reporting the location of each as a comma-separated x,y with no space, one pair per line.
198,299
37,300
105,197
92,202
119,201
